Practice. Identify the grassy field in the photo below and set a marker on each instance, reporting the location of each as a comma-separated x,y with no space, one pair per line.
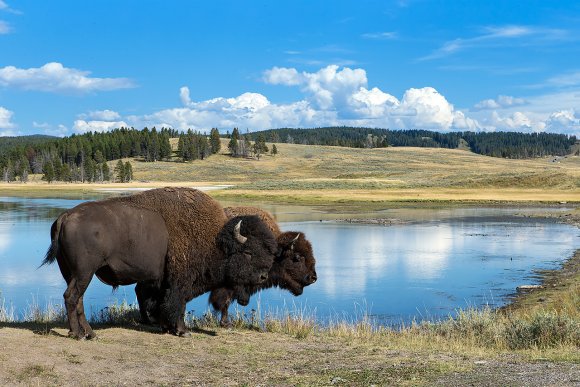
318,175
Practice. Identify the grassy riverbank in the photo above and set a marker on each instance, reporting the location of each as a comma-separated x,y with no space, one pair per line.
534,342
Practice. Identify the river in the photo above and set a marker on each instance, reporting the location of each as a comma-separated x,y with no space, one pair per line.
426,265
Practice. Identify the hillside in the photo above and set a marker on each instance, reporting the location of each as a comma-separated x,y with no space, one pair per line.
314,174
319,173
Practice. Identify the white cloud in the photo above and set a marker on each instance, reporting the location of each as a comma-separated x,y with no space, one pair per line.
59,131
332,96
380,35
509,35
564,121
517,121
54,77
502,101
82,126
565,80
345,91
282,76
5,28
341,96
6,120
101,115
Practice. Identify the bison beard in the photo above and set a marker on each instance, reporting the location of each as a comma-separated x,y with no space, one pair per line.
203,252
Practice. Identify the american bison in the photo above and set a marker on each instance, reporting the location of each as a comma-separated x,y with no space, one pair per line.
293,269
175,240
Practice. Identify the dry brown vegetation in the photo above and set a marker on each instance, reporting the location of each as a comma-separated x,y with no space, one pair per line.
321,174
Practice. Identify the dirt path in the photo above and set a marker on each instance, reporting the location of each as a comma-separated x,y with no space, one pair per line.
132,357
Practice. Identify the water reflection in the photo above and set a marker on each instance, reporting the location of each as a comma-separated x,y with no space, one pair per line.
442,260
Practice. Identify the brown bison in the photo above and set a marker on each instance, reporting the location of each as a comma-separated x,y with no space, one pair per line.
175,240
293,269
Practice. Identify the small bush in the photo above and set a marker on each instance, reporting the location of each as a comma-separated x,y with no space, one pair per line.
117,314
543,330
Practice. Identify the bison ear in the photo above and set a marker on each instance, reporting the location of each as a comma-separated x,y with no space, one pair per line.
239,237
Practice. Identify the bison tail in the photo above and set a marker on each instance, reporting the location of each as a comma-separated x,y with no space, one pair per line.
52,251
50,256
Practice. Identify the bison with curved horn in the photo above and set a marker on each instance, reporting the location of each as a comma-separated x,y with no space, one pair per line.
293,269
175,240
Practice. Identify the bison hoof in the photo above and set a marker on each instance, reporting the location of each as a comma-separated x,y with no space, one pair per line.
90,336
184,334
226,324
74,335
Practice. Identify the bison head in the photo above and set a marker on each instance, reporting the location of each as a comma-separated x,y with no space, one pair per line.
250,249
294,267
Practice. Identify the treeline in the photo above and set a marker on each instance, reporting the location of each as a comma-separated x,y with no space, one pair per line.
520,145
497,144
80,158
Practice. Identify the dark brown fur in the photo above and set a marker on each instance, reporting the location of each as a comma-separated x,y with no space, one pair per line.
202,253
293,269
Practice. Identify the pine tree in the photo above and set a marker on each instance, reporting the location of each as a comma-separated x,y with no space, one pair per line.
274,150
215,142
260,146
106,171
128,172
233,145
48,172
120,171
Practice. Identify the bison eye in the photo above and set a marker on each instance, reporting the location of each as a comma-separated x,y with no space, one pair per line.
297,258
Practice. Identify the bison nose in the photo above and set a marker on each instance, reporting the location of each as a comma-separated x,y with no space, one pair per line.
263,277
312,278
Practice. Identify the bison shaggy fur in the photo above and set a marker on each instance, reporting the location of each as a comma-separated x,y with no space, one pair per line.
293,269
204,250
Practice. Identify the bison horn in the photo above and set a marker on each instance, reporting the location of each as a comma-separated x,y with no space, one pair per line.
294,241
239,237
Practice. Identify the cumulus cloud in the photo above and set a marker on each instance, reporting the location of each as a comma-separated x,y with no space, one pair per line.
518,121
282,76
54,77
501,102
341,96
346,92
564,121
332,96
82,126
6,119
101,115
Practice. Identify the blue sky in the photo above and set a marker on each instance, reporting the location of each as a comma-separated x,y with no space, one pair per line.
72,66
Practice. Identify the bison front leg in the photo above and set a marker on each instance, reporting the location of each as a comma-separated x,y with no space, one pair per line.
172,313
147,295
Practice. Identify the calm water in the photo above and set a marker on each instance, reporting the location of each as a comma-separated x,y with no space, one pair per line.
439,261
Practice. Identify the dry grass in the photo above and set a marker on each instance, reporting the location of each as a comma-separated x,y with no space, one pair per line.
321,174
